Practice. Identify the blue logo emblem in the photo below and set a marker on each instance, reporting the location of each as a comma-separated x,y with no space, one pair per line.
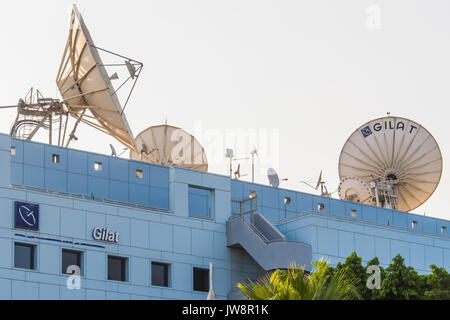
26,216
366,131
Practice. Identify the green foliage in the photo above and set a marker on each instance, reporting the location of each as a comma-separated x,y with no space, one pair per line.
401,282
296,284
437,284
348,280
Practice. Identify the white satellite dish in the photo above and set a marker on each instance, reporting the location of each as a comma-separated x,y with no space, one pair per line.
171,146
85,85
274,179
398,158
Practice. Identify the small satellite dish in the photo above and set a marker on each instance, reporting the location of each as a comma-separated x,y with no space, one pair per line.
274,179
398,158
113,151
172,147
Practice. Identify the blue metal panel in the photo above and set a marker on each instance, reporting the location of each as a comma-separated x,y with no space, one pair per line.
182,240
369,213
73,223
401,219
5,289
55,180
346,243
418,256
402,248
159,176
272,213
304,203
118,190
337,207
140,235
434,255
98,187
5,142
92,159
237,190
48,292
269,197
161,236
118,169
77,162
18,157
17,173
385,216
62,153
33,176
328,242
139,194
202,243
382,250
77,183
365,246
430,225
24,290
33,153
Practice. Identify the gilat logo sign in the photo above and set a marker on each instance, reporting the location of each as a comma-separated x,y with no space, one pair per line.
26,216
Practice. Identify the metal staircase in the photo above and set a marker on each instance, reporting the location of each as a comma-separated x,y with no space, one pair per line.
262,240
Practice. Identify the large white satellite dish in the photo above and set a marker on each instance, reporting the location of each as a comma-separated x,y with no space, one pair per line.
398,158
170,146
85,85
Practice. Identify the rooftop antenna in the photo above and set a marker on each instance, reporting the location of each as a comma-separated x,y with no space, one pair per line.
113,151
230,154
254,153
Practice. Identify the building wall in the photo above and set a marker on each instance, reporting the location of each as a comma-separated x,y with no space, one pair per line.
165,233
153,219
342,227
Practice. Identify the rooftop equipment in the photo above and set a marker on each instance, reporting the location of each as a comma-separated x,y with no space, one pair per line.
390,162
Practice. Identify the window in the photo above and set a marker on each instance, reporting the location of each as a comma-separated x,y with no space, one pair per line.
287,201
200,202
71,258
55,158
443,229
98,166
24,256
13,151
117,268
201,280
320,207
160,274
354,213
414,225
139,174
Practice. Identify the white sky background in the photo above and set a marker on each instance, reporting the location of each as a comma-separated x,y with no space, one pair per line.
311,69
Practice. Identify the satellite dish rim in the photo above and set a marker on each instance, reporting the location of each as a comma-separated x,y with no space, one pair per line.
411,121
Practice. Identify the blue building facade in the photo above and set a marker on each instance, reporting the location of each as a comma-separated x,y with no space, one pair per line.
169,220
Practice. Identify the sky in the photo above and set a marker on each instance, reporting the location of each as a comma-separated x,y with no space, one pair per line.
292,78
